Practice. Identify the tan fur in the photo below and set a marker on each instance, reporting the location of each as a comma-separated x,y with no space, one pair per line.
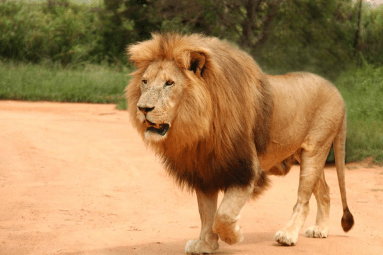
219,123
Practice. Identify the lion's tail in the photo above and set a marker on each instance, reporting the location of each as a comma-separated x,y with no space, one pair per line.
339,145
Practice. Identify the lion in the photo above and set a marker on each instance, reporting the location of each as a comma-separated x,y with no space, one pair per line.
220,124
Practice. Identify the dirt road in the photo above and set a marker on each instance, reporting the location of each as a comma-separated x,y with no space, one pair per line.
77,179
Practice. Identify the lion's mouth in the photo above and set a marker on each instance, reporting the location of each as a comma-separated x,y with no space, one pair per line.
160,129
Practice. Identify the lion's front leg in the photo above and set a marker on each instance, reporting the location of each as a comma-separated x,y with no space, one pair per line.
225,222
208,241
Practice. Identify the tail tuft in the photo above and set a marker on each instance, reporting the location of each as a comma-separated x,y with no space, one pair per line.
347,220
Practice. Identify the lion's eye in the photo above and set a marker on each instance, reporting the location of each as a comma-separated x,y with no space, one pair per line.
144,81
169,83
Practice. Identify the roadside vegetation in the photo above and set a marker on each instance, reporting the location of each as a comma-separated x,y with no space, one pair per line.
362,90
45,82
67,50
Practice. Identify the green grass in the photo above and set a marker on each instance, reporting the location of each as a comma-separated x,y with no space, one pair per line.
92,83
362,90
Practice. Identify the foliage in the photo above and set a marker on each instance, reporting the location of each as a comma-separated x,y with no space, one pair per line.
66,33
312,41
53,82
315,35
362,90
371,45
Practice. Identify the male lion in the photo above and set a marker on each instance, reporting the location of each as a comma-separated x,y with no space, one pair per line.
220,124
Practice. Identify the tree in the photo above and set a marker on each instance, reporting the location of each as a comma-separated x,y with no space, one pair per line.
247,22
125,22
357,32
286,35
53,3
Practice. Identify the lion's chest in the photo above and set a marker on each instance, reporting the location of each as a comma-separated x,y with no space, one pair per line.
208,172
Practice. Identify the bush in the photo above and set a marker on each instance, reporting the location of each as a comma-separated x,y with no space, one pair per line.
67,33
320,41
53,82
371,45
362,90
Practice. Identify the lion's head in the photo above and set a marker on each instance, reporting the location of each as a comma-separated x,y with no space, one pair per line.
167,93
161,86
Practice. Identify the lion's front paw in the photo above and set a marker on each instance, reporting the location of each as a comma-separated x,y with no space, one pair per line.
317,232
286,238
200,246
229,233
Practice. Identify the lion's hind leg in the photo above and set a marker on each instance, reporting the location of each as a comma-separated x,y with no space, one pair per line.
312,164
322,196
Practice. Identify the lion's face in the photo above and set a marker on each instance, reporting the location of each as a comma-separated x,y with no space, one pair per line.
161,89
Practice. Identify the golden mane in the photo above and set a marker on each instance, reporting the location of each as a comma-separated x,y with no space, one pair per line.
223,121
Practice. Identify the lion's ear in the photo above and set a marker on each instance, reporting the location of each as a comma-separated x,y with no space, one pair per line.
197,62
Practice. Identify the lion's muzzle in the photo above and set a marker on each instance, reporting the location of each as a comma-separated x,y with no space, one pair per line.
160,129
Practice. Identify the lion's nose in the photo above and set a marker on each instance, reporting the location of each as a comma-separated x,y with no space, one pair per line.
145,110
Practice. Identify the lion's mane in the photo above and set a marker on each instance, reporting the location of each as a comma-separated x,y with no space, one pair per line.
223,118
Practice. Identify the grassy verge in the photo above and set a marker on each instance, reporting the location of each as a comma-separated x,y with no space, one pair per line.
92,83
362,90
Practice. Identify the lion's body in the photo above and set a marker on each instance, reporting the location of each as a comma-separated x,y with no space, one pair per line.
220,124
307,110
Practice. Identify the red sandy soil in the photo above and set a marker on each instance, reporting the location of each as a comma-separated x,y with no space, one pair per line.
77,179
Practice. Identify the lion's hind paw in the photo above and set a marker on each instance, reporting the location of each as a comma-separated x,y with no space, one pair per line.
317,232
200,247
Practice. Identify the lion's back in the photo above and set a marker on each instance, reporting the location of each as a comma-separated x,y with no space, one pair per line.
304,103
304,90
